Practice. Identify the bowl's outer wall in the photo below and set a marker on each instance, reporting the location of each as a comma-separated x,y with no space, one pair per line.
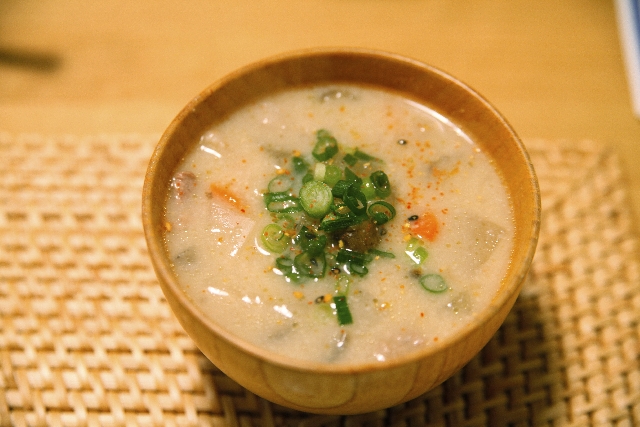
322,389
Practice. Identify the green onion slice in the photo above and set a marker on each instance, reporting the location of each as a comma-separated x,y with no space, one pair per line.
286,267
310,265
340,188
332,175
364,156
326,146
433,283
310,242
381,182
381,212
333,223
350,159
316,198
280,184
351,176
343,313
282,202
416,251
299,164
358,269
367,188
381,254
355,257
274,238
355,200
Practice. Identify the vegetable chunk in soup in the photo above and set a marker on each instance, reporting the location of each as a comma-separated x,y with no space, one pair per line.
338,224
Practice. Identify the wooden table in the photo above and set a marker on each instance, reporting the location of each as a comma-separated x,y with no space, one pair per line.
86,337
554,69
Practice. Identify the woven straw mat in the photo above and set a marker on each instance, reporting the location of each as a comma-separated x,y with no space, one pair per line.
86,337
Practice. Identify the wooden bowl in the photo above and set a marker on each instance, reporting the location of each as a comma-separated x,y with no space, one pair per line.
325,388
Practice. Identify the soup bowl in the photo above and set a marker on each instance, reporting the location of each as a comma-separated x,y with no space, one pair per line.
359,387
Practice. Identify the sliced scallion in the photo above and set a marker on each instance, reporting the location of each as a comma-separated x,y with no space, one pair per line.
355,200
285,266
333,223
332,175
274,239
351,176
358,269
340,188
280,184
326,146
310,242
299,164
310,265
343,314
282,202
381,212
364,156
316,198
350,159
433,283
349,256
381,254
380,181
416,251
367,188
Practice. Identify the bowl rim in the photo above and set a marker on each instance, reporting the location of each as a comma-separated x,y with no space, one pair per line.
157,251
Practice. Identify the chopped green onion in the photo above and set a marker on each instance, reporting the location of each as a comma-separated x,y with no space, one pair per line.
343,313
349,256
355,200
282,202
380,181
333,223
280,184
364,156
340,188
274,239
286,267
381,212
310,242
328,174
299,164
316,198
433,283
310,265
358,269
351,176
367,188
381,254
332,175
416,251
308,177
350,159
319,171
326,146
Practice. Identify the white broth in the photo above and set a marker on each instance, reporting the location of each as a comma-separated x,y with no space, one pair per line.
452,230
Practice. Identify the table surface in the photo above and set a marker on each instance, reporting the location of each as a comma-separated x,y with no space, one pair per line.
554,69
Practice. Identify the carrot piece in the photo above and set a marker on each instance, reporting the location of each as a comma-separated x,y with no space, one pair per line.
223,194
426,226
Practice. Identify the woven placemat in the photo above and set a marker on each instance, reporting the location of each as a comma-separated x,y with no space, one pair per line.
86,337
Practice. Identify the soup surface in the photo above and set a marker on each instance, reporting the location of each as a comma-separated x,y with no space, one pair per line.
338,224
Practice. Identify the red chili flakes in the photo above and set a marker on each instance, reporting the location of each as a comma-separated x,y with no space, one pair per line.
421,314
